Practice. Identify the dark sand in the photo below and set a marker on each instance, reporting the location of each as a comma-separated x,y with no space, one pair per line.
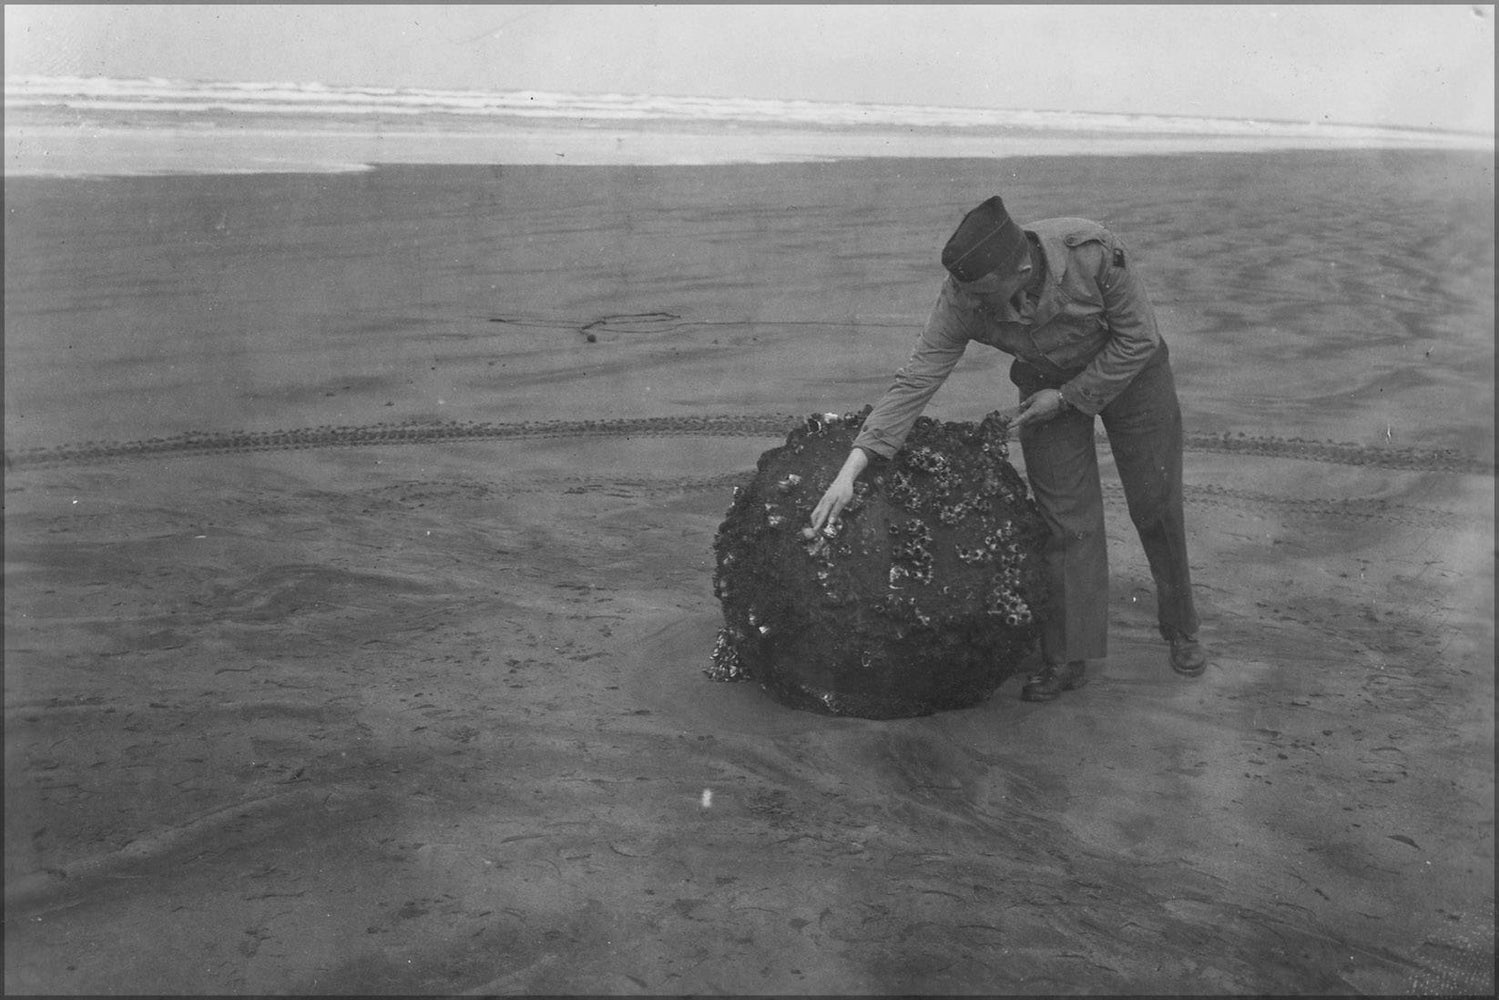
331,712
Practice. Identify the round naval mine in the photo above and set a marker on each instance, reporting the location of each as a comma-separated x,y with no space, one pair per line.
922,596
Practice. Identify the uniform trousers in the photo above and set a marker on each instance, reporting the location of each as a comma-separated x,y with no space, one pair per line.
1144,428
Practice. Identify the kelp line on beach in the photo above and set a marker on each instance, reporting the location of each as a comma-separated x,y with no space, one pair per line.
719,425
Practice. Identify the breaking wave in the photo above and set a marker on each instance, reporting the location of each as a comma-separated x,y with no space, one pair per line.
105,96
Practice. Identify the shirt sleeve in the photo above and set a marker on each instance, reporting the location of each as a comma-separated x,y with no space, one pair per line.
939,349
1134,337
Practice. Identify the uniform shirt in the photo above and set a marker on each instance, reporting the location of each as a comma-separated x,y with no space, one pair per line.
1089,332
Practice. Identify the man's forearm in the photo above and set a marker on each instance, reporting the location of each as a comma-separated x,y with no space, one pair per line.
856,463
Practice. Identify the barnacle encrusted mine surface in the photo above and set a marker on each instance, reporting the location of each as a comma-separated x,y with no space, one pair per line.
923,596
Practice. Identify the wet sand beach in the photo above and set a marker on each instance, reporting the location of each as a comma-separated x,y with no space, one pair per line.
358,591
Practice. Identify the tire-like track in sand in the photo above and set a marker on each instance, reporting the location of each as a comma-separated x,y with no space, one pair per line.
774,425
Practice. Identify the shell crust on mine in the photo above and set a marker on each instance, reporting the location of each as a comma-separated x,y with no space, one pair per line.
924,595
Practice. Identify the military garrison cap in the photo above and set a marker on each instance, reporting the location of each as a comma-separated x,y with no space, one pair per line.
986,240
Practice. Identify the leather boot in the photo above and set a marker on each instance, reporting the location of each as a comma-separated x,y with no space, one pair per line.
1054,678
1187,657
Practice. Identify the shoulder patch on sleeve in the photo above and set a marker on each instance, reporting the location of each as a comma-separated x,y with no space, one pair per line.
1118,258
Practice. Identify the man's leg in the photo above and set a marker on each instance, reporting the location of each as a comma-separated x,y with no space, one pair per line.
1062,466
1145,431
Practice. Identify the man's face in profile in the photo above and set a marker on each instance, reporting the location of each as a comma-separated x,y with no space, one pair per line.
998,287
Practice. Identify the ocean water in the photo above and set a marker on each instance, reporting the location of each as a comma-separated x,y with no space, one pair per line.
94,126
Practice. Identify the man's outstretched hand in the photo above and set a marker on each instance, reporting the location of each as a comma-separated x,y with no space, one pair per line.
837,496
830,506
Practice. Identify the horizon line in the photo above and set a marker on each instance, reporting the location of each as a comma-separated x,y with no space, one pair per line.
393,88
